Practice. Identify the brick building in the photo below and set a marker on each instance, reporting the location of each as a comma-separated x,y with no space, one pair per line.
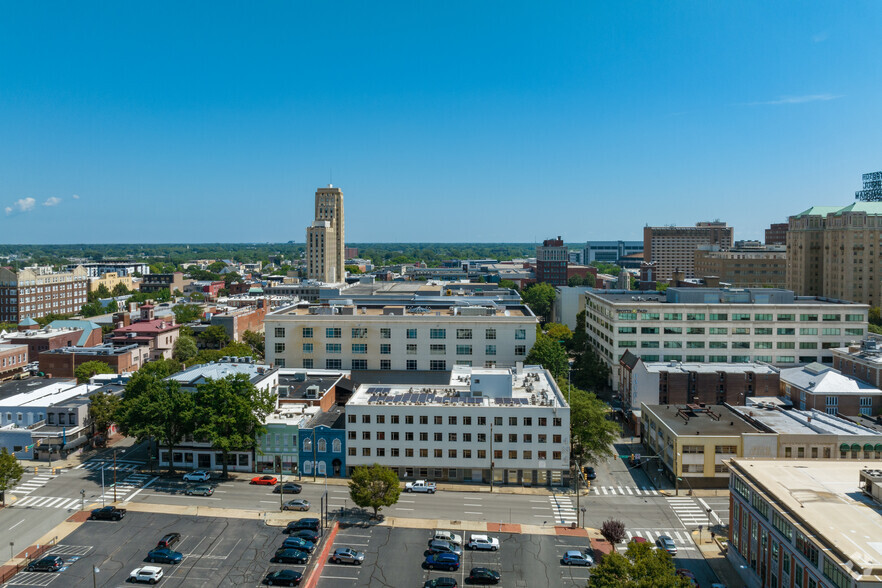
13,359
38,291
159,335
61,333
156,282
776,234
672,248
551,262
826,389
236,322
862,361
63,362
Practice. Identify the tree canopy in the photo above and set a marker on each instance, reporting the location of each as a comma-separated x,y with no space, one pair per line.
103,409
257,342
10,472
90,368
591,431
185,348
162,368
374,487
540,298
549,354
214,337
187,313
640,567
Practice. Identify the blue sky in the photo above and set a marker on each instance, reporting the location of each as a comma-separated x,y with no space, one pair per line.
448,121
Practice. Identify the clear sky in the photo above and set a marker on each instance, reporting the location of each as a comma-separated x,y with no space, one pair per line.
468,121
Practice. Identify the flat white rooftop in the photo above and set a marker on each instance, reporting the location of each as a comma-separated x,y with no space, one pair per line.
804,422
825,496
47,395
709,368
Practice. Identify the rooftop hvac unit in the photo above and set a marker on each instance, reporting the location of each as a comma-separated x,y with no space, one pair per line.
283,391
312,392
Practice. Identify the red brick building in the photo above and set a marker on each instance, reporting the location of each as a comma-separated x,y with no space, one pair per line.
67,333
158,335
236,322
13,360
62,363
551,262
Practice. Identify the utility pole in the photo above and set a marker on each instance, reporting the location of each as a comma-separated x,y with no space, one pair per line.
114,474
491,456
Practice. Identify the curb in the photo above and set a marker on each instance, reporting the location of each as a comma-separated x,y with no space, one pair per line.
322,559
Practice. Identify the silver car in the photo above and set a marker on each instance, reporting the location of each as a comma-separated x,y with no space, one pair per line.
296,505
346,555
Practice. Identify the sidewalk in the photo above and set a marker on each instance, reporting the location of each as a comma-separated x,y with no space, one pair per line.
76,457
715,556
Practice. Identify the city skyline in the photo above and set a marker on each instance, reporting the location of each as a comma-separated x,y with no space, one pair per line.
181,124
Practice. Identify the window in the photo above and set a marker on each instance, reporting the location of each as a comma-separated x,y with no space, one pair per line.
854,318
786,359
467,454
438,437
786,317
411,348
627,344
831,317
307,332
424,453
366,451
359,332
786,345
490,350
644,330
673,330
520,350
332,364
521,334
856,332
437,333
438,349
717,345
463,349
490,334
673,316
830,331
808,344
359,364
385,364
762,345
279,331
359,348
695,331
333,348
718,330
649,316
437,365
385,349
280,347
385,333
627,330
333,333
411,333
787,331
690,316
497,421
438,420
763,317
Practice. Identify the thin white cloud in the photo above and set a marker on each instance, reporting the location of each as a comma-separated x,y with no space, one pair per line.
76,196
796,99
21,205
52,201
820,37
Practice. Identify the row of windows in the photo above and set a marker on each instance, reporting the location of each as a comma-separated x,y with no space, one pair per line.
454,420
736,316
734,358
386,333
411,349
451,437
385,364
737,331
625,344
452,453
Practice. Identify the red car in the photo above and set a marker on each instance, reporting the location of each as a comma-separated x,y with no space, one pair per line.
264,480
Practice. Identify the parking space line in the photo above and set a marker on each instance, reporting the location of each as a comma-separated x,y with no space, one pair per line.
469,512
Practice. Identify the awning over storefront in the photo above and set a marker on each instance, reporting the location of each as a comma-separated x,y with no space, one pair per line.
76,443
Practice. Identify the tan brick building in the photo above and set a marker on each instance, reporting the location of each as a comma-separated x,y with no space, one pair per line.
747,266
325,238
109,280
37,291
673,248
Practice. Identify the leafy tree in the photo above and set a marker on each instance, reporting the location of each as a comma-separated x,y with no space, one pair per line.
102,292
508,284
92,309
640,567
588,280
580,338
10,472
661,286
103,408
549,354
592,433
48,318
156,408
353,269
120,290
540,297
230,413
607,268
374,487
8,326
187,313
589,370
231,277
558,332
613,530
257,341
875,316
90,368
162,295
216,266
214,337
198,296
162,368
185,349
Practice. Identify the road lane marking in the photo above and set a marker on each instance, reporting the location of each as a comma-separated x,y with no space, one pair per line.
470,504
399,508
16,524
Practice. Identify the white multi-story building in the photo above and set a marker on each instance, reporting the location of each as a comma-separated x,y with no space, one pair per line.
713,325
431,335
511,425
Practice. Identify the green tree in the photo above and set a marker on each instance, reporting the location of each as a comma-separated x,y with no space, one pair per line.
588,280
374,487
589,370
103,292
187,313
640,567
155,408
230,413
214,337
875,316
540,298
661,286
120,290
508,284
162,368
257,341
162,295
92,309
353,269
10,472
558,332
185,349
580,338
90,368
591,431
549,354
216,266
103,409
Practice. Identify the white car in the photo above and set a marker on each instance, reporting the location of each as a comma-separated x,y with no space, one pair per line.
483,542
197,476
149,574
448,536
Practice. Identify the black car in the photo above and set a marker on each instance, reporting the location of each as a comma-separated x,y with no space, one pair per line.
590,474
307,534
294,556
442,582
483,576
283,578
310,524
107,513
169,539
288,488
50,563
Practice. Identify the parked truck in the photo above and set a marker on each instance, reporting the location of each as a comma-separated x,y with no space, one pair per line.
420,486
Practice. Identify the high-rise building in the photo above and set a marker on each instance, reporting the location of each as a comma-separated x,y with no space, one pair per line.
551,262
748,264
610,251
673,248
776,234
325,244
37,291
835,252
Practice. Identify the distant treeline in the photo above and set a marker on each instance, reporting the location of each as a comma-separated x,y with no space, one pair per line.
169,256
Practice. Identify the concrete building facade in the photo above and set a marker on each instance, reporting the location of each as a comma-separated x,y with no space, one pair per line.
747,266
673,248
325,237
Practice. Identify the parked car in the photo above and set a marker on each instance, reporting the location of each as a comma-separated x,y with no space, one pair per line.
448,536
298,543
50,563
164,555
590,474
688,575
346,555
169,540
288,488
442,582
107,513
197,476
307,534
483,576
294,556
311,524
638,540
438,546
264,480
444,561
200,490
283,578
302,505
149,574
666,543
484,542
578,558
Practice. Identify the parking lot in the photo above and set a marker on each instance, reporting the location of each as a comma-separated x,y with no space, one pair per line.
394,557
217,552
